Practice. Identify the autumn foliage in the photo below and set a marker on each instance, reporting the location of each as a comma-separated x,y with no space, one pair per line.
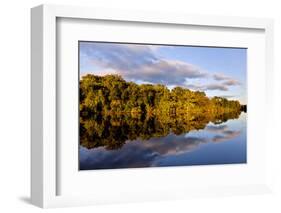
113,111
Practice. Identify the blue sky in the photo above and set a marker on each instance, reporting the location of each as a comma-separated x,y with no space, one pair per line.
216,71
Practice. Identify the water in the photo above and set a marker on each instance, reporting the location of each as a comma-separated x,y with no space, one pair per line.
125,143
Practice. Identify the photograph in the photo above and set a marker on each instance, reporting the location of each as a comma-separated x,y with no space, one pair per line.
161,105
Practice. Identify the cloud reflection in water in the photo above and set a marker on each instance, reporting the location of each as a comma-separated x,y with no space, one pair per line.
156,150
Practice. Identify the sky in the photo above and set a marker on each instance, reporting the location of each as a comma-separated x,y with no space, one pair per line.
216,71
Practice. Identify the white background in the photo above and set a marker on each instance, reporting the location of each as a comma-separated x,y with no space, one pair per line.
15,104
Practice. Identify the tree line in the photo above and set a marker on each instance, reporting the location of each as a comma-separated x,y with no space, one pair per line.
111,94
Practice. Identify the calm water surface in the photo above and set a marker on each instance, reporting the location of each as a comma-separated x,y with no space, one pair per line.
220,143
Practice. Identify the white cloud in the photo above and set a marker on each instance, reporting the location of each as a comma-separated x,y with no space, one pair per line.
221,77
231,82
205,87
140,63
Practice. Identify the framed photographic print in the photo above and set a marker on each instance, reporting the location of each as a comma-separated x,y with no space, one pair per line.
130,106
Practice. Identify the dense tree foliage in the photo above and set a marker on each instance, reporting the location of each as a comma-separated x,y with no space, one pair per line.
112,95
113,111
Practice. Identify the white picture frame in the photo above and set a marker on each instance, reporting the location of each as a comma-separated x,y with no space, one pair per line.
44,133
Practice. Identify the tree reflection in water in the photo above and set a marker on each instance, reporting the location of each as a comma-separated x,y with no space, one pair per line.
114,130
